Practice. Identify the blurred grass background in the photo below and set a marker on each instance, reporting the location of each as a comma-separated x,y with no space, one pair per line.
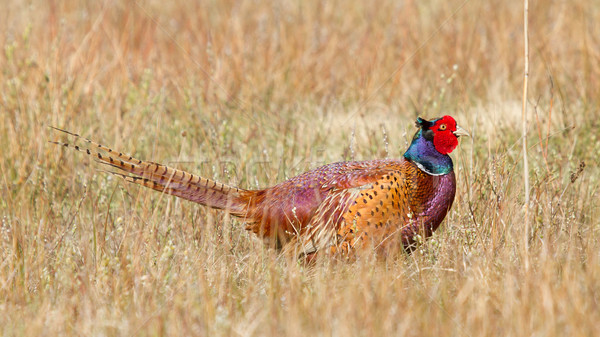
254,92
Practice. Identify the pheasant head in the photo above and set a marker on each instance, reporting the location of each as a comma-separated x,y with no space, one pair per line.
433,142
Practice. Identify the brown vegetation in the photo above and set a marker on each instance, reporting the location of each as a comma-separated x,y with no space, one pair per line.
249,93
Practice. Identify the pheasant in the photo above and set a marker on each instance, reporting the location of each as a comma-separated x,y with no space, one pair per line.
342,207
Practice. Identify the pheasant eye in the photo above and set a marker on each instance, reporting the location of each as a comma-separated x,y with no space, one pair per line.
442,127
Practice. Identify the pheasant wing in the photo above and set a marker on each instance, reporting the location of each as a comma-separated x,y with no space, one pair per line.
366,207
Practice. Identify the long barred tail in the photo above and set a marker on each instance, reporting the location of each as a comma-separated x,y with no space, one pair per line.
167,179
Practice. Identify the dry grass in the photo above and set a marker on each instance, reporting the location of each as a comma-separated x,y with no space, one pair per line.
251,93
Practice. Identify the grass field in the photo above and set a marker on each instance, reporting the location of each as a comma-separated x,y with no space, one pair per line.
254,92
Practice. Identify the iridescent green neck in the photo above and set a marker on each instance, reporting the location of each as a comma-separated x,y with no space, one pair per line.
422,152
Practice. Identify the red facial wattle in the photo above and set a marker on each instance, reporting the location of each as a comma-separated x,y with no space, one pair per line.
444,139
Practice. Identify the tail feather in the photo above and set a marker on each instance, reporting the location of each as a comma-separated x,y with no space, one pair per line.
166,179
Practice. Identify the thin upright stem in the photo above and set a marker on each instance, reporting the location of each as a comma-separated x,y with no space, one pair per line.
524,126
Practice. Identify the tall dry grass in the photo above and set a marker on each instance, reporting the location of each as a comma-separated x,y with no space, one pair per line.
251,93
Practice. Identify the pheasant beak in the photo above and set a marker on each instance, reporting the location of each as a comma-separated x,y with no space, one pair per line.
460,132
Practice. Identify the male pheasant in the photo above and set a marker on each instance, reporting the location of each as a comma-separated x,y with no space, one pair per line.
340,207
